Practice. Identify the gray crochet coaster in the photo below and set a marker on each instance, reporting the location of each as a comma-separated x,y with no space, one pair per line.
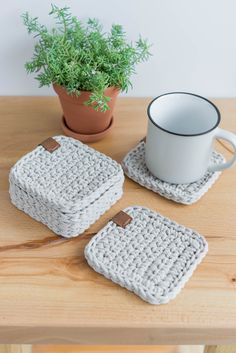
135,168
146,253
65,184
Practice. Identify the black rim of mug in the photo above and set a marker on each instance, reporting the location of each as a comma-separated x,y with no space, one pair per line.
190,94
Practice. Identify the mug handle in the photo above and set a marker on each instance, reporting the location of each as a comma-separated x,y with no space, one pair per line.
230,137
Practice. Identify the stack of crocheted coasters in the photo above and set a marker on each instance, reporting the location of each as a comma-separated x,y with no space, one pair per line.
65,184
146,253
135,168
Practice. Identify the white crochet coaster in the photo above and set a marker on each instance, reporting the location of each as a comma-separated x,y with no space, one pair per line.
135,168
65,184
151,256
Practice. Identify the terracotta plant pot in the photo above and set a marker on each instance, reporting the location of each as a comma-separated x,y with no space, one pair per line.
81,121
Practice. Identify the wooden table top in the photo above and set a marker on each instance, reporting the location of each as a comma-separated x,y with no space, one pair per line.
48,293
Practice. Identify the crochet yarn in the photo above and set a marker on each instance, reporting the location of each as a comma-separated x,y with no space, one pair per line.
135,168
67,190
152,256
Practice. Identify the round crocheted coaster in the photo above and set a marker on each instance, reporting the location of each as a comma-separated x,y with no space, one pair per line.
135,168
152,256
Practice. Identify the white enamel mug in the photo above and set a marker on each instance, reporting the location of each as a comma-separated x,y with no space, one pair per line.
181,131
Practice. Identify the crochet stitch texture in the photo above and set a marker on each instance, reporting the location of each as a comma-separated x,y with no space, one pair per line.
68,189
152,256
135,168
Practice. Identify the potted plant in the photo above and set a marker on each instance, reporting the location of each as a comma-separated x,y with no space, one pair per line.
87,68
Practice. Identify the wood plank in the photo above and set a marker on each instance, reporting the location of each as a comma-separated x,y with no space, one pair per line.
49,293
15,348
103,349
220,349
116,349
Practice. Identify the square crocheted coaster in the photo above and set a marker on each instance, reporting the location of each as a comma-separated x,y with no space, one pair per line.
152,256
135,168
65,184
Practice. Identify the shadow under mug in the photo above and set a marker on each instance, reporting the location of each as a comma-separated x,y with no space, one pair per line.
181,131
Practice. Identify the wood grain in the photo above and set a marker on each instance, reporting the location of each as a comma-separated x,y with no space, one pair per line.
116,349
104,349
49,294
113,349
15,348
220,349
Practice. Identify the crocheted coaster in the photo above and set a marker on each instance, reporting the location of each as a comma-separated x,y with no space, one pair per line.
148,254
65,184
135,168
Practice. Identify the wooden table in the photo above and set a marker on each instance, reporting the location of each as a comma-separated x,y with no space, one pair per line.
49,294
16,348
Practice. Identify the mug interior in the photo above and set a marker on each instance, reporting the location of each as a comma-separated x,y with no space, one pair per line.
184,114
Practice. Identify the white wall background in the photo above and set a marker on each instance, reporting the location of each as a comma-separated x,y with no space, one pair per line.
194,43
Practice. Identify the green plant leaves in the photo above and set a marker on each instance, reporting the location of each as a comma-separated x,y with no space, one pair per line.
82,57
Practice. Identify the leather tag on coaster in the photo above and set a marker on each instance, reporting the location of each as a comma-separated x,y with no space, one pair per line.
50,144
122,219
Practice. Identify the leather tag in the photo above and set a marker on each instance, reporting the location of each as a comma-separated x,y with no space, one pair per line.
122,219
50,144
